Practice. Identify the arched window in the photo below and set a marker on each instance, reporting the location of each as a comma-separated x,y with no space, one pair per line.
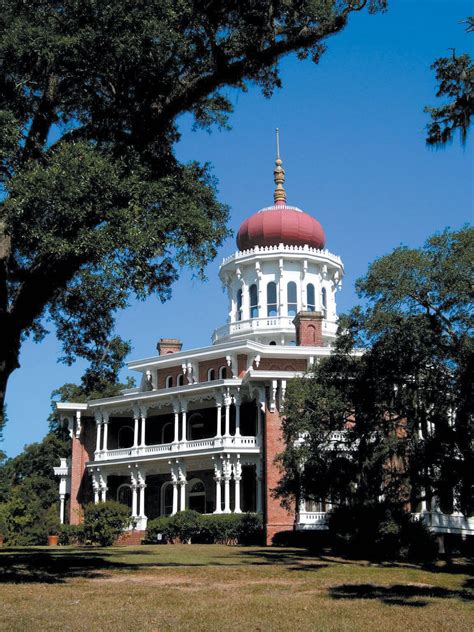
239,305
291,299
124,495
125,437
272,308
253,295
310,297
166,499
211,375
195,426
180,379
223,373
197,495
272,343
169,381
324,302
167,433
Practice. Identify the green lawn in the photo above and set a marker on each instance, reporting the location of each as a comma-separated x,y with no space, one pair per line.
199,587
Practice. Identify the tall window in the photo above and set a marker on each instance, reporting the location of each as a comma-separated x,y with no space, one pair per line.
169,381
197,496
253,301
180,379
124,495
324,302
211,375
166,499
239,305
223,373
272,299
310,297
291,298
125,437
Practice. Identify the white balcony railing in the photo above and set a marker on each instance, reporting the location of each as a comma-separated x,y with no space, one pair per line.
436,521
267,324
196,445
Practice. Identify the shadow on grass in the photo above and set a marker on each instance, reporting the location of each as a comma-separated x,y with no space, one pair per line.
23,565
415,596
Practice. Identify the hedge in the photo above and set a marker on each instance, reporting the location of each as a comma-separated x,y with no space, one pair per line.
191,526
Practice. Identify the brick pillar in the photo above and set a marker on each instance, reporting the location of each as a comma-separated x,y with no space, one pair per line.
82,452
276,518
168,345
309,329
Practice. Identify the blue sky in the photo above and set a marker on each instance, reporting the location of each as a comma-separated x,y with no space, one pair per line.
352,143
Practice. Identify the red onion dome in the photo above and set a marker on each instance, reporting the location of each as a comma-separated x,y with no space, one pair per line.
280,224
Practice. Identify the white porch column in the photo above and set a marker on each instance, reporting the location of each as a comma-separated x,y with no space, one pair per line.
182,485
218,480
227,402
237,479
136,415
103,487
61,508
219,419
98,423
134,499
143,429
227,476
175,498
237,402
95,488
184,410
105,417
176,422
142,487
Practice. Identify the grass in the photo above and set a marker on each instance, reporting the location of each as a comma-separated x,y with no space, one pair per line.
199,587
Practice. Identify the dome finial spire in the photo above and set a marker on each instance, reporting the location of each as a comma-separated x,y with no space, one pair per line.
279,194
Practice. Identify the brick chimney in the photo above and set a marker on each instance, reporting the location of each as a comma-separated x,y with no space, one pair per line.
168,345
309,329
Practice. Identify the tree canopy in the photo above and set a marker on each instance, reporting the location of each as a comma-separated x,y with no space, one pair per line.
390,414
455,76
96,206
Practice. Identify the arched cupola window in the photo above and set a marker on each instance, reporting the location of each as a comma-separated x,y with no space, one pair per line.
211,375
310,298
180,379
272,308
239,305
291,298
253,295
223,373
324,302
169,381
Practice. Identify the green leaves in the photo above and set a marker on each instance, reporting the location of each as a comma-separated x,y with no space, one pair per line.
406,405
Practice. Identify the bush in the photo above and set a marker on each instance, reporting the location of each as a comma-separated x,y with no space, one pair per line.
71,534
156,526
380,531
51,520
105,522
187,526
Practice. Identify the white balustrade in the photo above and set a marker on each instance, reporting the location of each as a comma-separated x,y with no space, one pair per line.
196,445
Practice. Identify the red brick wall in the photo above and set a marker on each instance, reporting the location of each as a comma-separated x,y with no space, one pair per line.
212,364
309,329
82,451
276,518
241,364
283,364
162,374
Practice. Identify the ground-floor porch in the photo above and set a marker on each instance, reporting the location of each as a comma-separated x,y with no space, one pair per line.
225,483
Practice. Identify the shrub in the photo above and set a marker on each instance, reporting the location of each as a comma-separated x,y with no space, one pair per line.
104,522
380,531
156,526
71,534
185,525
51,521
189,525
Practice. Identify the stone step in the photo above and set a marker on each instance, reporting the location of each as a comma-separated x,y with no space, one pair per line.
130,538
